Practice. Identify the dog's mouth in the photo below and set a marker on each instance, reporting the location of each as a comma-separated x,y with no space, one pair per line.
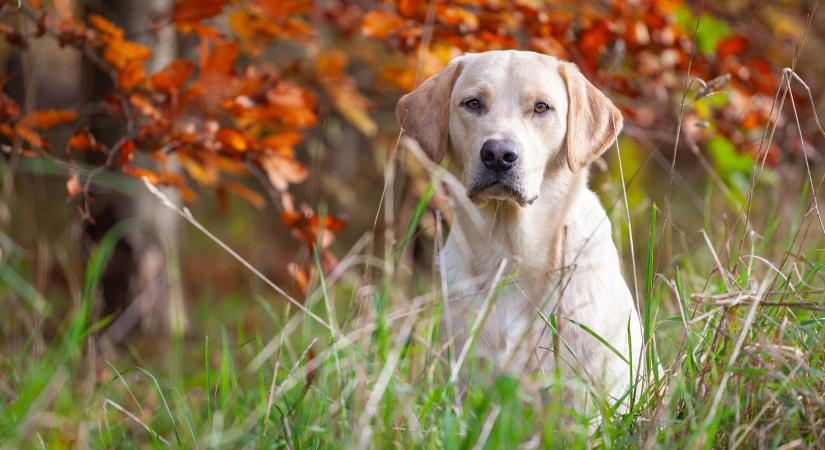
499,190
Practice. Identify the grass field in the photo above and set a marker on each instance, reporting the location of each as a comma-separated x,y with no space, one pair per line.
734,316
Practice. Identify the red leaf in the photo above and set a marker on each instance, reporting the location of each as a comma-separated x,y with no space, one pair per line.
196,10
127,149
732,45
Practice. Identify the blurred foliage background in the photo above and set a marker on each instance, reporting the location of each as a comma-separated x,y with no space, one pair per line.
272,121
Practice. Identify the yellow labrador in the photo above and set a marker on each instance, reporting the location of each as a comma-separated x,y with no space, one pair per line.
519,130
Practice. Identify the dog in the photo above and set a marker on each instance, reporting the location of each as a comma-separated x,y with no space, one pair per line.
519,130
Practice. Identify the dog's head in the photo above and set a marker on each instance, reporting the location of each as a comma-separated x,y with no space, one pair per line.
505,118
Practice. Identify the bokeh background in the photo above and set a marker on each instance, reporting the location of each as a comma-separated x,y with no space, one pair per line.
272,122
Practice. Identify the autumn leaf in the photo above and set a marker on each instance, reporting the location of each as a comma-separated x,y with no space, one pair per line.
232,139
141,173
278,9
83,140
131,75
119,53
106,27
47,118
196,10
127,150
283,171
221,59
731,45
380,24
282,143
292,104
171,77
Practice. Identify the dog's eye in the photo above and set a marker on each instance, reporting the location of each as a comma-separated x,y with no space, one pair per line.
541,108
473,104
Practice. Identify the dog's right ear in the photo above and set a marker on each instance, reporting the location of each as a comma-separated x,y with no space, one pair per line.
424,113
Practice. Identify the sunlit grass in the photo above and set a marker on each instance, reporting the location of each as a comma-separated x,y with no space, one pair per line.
736,330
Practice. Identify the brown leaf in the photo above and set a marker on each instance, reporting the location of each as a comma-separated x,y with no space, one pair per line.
41,26
47,118
380,24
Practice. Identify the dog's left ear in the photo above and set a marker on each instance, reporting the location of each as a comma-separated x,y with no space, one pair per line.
424,113
593,121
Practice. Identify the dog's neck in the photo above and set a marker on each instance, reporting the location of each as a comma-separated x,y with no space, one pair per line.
530,238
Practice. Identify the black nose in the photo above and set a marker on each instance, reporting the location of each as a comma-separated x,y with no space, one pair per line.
499,155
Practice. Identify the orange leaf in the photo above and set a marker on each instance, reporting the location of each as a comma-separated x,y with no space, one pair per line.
106,27
171,77
232,139
137,172
283,143
30,136
131,75
127,150
292,104
380,24
119,53
47,118
283,171
196,10
221,59
83,140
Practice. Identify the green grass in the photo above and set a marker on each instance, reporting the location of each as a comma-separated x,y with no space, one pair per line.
731,374
740,356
